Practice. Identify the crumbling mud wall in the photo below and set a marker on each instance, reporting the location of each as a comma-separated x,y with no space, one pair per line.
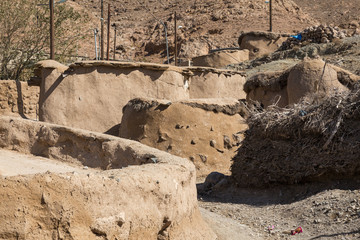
18,98
287,87
145,194
260,43
221,59
315,140
207,132
90,95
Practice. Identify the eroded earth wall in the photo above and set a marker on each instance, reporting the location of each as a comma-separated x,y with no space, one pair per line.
91,95
153,199
207,131
18,98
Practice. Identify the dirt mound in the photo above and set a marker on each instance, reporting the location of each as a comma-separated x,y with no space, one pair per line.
204,131
315,140
147,194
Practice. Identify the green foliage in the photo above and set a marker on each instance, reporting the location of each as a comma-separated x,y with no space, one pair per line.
24,35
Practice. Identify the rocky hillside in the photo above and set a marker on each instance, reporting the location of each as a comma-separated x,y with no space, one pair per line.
205,25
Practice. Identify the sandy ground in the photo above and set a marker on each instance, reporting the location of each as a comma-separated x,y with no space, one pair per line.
14,163
323,210
227,228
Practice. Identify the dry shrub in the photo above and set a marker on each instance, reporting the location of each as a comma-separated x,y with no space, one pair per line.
316,139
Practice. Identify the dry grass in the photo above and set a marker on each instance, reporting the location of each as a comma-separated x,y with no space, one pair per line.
314,115
314,140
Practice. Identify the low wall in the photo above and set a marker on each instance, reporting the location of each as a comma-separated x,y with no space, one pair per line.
91,95
153,199
261,43
287,87
207,132
18,98
221,59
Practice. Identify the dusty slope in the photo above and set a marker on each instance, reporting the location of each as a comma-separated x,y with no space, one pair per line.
331,11
205,24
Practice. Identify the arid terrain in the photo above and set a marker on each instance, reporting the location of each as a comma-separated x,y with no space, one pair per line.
296,167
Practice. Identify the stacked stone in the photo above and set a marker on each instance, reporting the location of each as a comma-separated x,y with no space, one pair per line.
315,34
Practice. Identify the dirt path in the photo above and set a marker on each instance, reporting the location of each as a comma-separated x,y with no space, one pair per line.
227,228
324,211
14,163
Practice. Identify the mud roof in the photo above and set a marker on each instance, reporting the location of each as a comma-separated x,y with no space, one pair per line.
154,66
268,35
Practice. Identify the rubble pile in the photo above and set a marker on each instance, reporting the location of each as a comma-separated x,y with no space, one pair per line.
314,34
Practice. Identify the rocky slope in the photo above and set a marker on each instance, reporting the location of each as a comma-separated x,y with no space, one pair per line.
205,25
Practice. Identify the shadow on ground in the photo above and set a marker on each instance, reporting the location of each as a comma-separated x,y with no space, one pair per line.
281,194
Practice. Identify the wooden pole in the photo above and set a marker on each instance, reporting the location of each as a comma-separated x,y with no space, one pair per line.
108,35
52,32
115,43
176,47
270,8
102,31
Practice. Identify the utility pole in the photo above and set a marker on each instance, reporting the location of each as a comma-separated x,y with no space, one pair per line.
176,47
102,31
270,8
115,42
108,35
52,32
96,50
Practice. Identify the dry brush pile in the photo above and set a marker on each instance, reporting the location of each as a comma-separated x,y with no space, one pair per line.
315,140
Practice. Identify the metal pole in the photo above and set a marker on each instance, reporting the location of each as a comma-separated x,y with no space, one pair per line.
102,30
96,50
115,43
99,50
108,35
270,16
176,47
167,43
52,32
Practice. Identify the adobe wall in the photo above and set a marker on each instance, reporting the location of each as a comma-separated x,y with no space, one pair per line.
261,43
221,59
91,95
18,98
207,131
155,198
287,87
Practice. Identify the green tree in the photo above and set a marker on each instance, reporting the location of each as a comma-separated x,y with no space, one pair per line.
24,35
